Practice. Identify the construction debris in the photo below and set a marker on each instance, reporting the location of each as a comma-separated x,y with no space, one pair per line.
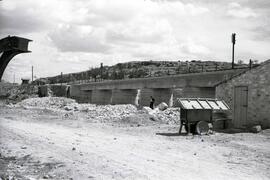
125,113
256,129
162,106
19,93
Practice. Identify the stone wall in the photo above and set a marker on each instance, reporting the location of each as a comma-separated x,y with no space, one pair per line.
258,82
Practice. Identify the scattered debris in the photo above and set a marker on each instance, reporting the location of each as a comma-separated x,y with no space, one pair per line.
162,106
256,129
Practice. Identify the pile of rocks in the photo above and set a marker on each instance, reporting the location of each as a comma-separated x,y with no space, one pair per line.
105,113
55,103
169,116
163,115
19,93
111,113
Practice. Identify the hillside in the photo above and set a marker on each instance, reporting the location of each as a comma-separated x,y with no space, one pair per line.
140,69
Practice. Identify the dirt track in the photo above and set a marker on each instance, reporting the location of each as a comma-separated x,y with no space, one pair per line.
38,144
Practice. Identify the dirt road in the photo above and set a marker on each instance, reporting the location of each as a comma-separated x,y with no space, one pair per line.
44,144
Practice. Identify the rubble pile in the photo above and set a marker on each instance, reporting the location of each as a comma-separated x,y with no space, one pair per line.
169,116
47,102
112,113
125,113
5,88
19,93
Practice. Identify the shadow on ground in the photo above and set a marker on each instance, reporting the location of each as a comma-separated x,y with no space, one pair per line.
171,134
232,131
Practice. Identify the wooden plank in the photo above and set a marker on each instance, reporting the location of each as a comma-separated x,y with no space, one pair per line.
240,106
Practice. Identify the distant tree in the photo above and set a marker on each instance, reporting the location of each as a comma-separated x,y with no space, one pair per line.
106,75
94,73
240,62
255,61
178,69
114,75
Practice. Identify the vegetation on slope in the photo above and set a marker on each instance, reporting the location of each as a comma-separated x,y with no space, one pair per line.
140,69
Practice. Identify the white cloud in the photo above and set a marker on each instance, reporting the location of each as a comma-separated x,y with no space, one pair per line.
192,47
71,35
79,38
236,10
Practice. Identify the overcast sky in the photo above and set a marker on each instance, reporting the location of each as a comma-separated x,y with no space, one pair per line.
73,35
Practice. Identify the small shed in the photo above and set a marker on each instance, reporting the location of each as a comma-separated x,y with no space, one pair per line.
196,113
249,96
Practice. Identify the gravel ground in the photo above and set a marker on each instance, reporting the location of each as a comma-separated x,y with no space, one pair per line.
38,142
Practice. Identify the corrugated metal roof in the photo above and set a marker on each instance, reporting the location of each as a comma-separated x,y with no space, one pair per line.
202,103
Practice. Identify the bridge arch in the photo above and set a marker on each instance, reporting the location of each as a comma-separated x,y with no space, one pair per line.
10,47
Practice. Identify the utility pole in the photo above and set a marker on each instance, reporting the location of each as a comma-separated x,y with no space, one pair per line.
101,71
32,73
250,64
233,43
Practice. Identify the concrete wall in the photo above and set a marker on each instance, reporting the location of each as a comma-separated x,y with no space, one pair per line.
142,96
258,82
59,90
85,97
43,91
55,90
124,96
159,94
206,79
163,89
101,97
75,93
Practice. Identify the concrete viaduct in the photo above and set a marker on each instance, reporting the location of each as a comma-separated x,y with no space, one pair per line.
163,89
10,47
